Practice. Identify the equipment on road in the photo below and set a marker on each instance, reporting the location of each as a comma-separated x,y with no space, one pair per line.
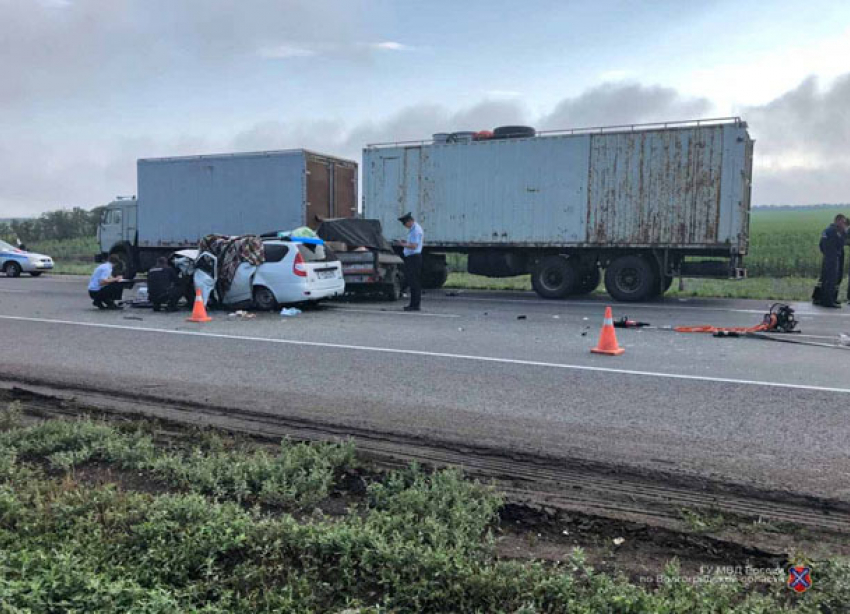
780,319
624,322
199,312
608,338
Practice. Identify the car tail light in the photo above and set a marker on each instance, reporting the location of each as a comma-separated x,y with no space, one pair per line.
298,267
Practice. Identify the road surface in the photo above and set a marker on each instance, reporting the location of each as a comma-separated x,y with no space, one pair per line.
504,370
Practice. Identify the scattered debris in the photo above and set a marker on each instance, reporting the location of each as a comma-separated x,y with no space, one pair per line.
460,329
556,317
453,293
522,317
241,315
619,541
290,311
134,318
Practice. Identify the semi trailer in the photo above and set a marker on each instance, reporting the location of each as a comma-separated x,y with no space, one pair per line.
644,202
183,199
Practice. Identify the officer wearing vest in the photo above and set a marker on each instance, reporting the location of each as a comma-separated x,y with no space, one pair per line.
413,260
832,248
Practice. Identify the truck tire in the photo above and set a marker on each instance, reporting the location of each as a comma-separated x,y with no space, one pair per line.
128,268
630,279
659,292
264,299
555,277
589,281
12,269
513,132
435,278
392,292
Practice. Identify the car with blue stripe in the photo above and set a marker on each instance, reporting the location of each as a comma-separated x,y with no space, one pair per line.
14,261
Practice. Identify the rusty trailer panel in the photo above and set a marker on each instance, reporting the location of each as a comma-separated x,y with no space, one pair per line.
677,186
655,188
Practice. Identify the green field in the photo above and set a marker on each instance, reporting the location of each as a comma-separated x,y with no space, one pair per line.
783,262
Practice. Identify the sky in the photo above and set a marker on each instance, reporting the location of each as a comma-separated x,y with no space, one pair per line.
89,86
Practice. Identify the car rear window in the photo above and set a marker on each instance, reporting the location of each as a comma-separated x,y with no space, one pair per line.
316,253
275,252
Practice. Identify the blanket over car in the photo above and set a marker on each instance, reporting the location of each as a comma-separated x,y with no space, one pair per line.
231,252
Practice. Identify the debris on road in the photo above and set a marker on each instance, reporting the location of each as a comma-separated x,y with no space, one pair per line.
522,317
241,315
290,311
780,319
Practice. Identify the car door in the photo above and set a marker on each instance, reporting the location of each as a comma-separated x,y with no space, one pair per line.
241,289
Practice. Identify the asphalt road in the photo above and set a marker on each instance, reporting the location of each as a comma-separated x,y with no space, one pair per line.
469,369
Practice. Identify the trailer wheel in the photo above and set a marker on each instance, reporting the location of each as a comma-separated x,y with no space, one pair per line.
12,269
555,277
392,292
435,277
589,281
264,299
630,279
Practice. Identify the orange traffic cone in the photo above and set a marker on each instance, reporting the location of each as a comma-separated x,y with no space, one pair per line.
199,312
608,338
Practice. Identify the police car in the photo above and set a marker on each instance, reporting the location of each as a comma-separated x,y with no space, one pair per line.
14,261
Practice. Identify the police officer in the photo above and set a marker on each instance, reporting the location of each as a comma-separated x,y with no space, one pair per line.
832,247
164,286
413,260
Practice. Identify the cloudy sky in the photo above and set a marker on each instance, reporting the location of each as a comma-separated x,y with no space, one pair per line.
89,86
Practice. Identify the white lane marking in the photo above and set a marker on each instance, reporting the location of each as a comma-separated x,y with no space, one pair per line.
491,359
14,291
635,306
394,312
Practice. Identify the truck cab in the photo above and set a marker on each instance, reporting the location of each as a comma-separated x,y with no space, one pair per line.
117,232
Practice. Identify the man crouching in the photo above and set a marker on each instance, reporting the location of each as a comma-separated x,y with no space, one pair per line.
104,288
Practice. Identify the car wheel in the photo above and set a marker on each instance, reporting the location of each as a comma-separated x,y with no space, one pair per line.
264,299
630,279
36,273
555,277
12,269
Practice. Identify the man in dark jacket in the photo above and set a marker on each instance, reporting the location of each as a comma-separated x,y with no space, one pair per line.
163,286
832,247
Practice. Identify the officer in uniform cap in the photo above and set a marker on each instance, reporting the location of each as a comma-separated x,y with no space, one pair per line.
413,259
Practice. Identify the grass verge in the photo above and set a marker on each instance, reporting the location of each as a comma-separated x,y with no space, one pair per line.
221,537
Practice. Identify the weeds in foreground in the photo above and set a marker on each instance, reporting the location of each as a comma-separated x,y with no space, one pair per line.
419,543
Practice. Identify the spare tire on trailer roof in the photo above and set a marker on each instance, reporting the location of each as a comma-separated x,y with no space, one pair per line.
513,132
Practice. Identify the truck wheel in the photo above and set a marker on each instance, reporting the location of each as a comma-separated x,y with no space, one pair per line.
659,292
630,279
555,277
128,270
392,292
264,299
12,269
435,278
589,281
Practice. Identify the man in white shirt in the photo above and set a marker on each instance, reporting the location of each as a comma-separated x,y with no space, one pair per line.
413,260
104,288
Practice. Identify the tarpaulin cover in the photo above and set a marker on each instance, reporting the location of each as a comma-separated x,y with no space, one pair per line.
355,232
231,252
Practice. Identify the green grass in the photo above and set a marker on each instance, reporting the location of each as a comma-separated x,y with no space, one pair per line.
416,542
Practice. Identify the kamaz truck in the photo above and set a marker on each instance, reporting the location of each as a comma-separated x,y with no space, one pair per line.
183,199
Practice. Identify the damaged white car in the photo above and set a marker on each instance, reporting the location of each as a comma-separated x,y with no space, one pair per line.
293,271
